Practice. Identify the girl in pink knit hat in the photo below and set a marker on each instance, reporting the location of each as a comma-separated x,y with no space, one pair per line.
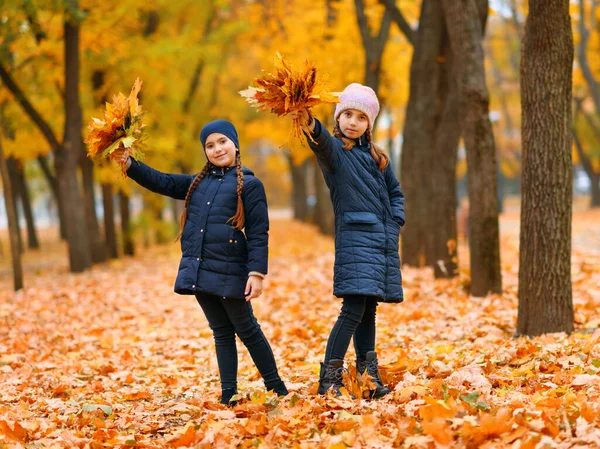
369,212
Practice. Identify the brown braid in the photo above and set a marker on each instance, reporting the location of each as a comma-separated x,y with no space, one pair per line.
237,221
188,195
378,154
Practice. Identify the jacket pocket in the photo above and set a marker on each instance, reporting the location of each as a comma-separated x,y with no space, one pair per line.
363,218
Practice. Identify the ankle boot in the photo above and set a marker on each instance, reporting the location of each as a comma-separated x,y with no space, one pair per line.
226,396
331,377
279,388
370,364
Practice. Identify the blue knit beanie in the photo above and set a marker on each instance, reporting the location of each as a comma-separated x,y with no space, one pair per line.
219,126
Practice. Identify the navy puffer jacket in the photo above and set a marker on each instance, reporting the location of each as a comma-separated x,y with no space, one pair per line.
216,258
369,211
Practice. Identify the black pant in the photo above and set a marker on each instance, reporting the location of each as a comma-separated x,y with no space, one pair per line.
228,317
357,319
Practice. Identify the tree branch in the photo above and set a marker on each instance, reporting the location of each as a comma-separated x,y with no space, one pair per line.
363,24
399,20
29,109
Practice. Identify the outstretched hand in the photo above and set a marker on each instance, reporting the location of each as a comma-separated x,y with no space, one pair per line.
304,117
120,156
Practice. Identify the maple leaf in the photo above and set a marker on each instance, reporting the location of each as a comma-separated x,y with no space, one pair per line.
289,90
122,127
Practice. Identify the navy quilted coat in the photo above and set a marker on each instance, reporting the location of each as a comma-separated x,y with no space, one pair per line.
369,210
216,258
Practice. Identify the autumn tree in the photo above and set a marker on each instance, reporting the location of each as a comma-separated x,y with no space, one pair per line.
545,291
464,22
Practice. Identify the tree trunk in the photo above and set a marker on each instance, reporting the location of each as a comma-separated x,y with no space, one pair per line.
443,189
422,116
587,165
110,232
11,166
324,217
67,155
12,224
545,291
299,188
463,20
126,234
96,243
32,238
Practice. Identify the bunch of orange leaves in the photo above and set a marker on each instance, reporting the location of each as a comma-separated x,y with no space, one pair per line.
289,90
122,127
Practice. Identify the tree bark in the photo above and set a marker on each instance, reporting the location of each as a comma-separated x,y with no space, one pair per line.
109,221
545,291
12,223
126,233
422,117
463,19
67,156
96,243
443,189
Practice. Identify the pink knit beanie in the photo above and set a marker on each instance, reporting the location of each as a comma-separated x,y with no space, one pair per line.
362,98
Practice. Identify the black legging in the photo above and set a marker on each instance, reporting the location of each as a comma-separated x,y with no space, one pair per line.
228,317
357,319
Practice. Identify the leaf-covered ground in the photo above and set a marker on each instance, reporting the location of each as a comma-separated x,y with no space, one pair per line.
113,358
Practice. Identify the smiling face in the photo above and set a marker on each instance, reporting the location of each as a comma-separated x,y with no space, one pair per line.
220,150
353,123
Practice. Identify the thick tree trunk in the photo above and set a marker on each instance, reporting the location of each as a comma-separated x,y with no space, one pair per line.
96,243
545,291
67,155
110,232
422,116
299,188
126,233
463,19
12,223
443,189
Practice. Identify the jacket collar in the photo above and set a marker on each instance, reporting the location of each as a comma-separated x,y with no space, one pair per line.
361,142
220,171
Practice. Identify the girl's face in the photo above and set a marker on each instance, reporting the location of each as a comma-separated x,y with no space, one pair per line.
220,150
353,123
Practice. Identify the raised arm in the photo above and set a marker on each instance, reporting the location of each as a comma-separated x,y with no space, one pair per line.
323,144
175,186
395,194
256,226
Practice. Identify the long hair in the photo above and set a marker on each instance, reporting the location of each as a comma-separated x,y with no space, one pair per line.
377,153
239,218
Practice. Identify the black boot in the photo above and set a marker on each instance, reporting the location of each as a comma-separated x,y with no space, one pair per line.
279,388
226,396
370,364
331,377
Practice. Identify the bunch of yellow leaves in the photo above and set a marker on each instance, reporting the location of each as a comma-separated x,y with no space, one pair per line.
122,127
290,90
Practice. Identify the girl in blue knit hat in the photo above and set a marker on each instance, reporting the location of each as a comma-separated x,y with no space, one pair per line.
221,265
369,212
